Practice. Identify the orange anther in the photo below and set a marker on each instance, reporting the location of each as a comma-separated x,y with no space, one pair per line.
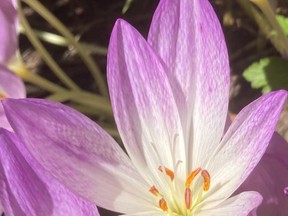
188,197
168,172
206,177
163,204
2,96
191,177
154,190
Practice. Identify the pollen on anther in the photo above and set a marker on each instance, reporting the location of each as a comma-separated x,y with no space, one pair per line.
206,177
168,172
163,204
191,177
154,190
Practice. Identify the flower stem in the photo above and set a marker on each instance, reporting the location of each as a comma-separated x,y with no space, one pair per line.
267,10
99,103
44,53
61,41
265,23
46,14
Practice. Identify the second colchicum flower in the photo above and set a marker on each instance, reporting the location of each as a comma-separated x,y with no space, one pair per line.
170,97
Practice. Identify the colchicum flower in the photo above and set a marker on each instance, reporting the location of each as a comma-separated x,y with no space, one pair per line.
170,98
25,188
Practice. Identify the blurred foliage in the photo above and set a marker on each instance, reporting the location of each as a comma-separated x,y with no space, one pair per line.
283,21
268,74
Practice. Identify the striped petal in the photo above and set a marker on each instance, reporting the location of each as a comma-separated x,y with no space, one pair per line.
243,145
143,103
188,37
29,191
78,153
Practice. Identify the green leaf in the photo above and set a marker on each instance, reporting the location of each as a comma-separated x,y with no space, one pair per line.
283,21
269,74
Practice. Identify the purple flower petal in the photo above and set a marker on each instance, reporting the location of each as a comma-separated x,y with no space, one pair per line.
78,153
30,191
270,177
243,145
21,187
188,37
143,103
10,86
8,34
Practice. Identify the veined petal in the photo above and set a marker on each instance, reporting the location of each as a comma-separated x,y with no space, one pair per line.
8,34
10,86
28,190
21,188
243,145
78,153
64,201
144,107
270,177
240,205
188,37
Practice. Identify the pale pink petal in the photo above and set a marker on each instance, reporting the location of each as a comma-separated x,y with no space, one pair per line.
78,153
240,205
8,34
188,37
270,177
143,102
243,145
10,86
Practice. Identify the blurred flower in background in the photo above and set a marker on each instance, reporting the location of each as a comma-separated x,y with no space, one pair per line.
25,188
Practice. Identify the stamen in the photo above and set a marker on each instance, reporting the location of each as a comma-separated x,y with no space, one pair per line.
154,190
2,96
191,177
188,197
168,172
163,204
206,177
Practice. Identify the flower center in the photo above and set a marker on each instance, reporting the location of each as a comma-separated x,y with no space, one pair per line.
176,207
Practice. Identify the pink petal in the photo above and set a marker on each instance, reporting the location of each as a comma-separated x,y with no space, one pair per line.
188,37
243,145
8,34
78,153
29,191
144,107
10,86
270,177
